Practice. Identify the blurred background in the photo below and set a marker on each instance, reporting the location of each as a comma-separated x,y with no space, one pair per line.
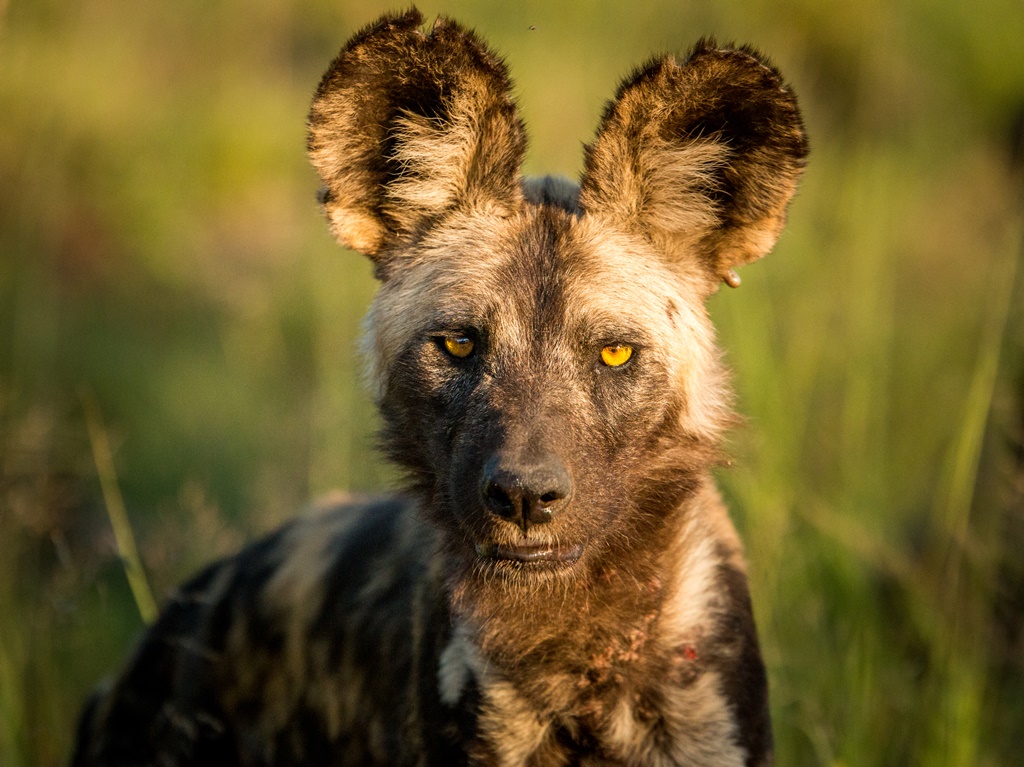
178,337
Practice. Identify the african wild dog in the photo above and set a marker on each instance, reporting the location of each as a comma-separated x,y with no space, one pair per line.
561,584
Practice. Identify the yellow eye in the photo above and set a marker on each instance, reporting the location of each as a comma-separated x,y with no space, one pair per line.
616,354
459,346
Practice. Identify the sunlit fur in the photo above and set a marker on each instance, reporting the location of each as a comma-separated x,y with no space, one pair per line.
560,584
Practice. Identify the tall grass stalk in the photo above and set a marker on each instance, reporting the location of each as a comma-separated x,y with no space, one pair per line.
116,512
954,504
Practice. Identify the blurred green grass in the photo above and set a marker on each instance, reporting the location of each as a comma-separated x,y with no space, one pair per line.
160,251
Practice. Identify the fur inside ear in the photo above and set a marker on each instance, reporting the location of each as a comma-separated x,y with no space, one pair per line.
407,126
702,155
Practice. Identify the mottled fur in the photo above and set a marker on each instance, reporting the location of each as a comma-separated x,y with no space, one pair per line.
561,584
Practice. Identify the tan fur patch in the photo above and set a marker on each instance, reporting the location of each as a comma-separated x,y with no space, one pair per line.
697,554
439,159
510,724
699,730
663,188
459,664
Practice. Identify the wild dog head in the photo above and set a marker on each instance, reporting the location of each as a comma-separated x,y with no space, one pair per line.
540,350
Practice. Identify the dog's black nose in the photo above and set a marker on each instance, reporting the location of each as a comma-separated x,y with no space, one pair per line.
526,495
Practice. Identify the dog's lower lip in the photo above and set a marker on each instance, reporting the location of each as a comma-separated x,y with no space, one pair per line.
534,552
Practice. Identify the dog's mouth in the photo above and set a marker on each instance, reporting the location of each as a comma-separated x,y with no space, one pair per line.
530,553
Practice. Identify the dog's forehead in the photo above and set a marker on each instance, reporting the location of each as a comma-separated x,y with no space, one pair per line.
620,274
543,265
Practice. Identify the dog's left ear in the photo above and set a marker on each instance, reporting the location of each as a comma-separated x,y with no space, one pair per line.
703,156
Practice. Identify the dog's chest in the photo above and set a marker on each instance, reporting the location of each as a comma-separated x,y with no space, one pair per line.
662,709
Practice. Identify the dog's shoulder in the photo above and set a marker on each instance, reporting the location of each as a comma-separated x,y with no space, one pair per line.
257,643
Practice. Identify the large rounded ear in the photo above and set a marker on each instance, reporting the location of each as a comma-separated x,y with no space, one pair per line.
408,126
703,156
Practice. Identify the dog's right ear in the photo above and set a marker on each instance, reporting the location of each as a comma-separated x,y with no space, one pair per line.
406,127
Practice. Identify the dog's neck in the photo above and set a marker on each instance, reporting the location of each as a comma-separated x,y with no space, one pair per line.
584,637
